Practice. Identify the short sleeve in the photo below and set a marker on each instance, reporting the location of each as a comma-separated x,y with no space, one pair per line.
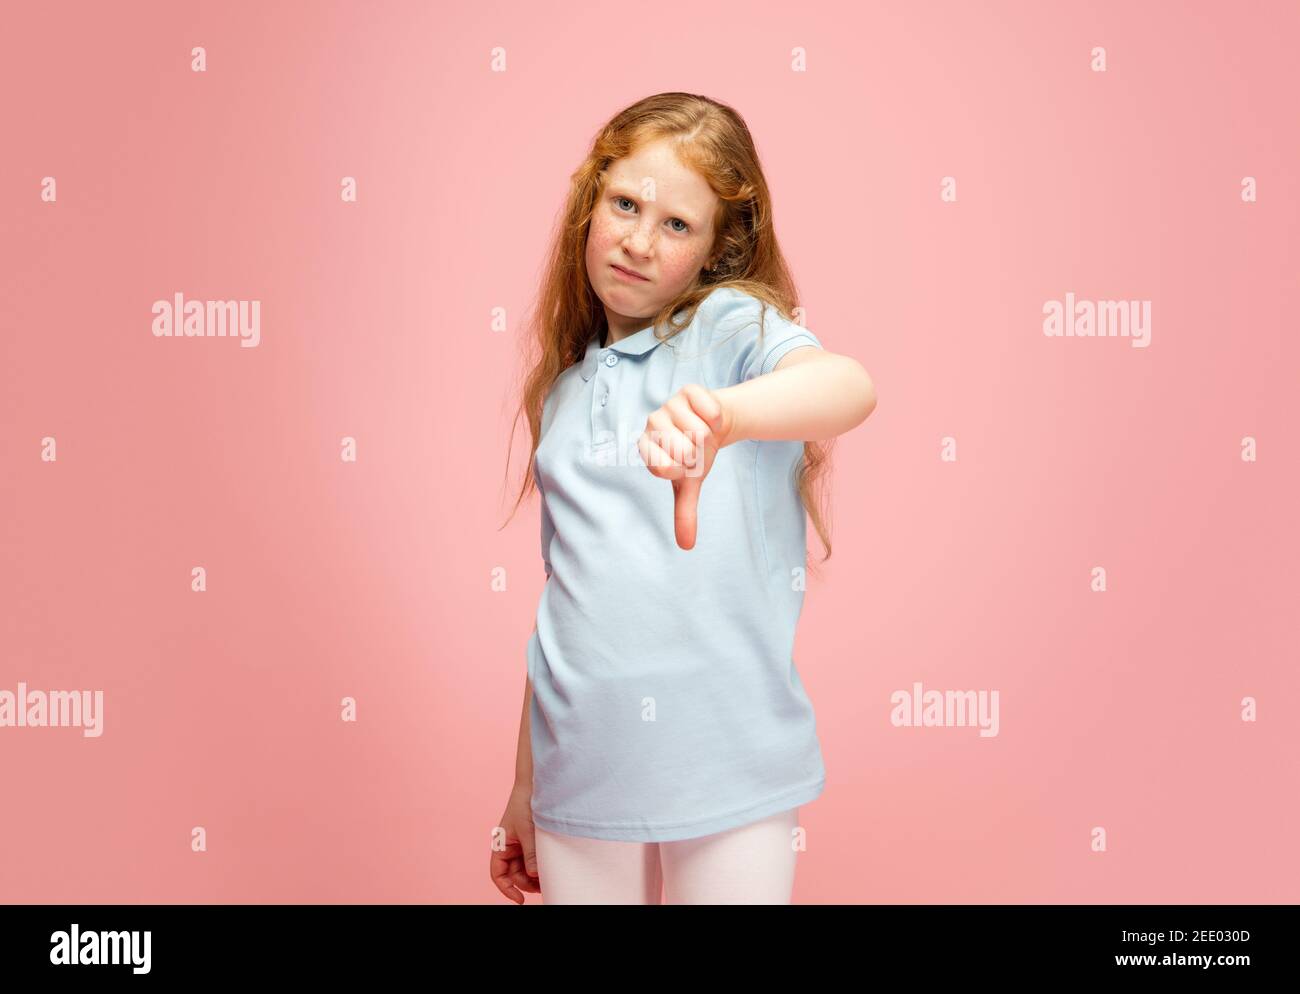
748,336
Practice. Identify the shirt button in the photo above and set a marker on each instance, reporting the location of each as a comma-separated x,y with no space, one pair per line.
603,399
610,359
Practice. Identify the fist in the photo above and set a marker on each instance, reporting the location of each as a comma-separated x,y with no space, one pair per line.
680,442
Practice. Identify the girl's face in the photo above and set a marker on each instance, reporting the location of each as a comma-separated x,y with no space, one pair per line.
654,219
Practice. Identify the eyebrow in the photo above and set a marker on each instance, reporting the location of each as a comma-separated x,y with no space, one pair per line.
623,190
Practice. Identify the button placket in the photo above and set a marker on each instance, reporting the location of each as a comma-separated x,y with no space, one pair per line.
602,428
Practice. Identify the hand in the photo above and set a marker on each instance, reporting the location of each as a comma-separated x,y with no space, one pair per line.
514,868
680,442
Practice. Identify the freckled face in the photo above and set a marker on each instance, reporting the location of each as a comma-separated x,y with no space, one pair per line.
654,218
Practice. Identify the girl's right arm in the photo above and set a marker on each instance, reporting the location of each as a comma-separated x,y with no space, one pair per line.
514,869
524,753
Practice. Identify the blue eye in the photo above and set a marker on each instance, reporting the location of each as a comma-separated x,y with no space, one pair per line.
684,226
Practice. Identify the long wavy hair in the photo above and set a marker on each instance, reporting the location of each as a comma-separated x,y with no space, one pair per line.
712,139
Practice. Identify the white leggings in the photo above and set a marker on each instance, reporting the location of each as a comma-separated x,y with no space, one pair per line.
752,864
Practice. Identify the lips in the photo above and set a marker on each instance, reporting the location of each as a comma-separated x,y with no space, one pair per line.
629,272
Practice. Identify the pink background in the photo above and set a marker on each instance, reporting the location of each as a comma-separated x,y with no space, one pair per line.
373,580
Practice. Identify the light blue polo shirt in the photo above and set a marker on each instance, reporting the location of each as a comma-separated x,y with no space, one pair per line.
666,703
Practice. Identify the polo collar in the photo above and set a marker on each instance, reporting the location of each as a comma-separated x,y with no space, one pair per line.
638,343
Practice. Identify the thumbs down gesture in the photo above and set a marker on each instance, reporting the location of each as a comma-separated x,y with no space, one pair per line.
679,444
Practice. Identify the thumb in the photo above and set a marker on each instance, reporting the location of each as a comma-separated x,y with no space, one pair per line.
686,498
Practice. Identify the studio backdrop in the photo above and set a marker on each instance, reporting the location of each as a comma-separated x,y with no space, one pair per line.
264,269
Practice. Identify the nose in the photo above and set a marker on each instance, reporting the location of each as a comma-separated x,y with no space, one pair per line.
640,240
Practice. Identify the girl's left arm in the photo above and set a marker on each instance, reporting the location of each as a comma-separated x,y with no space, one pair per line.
810,395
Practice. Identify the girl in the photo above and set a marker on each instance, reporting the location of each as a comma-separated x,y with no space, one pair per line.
666,740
